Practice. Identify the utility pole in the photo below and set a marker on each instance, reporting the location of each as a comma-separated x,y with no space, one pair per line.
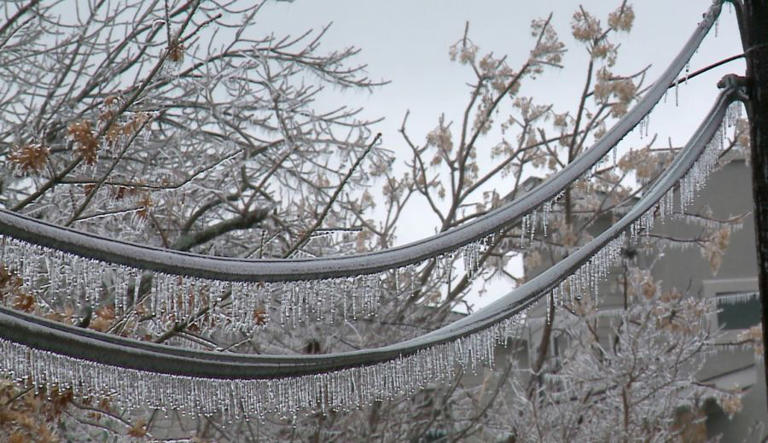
753,24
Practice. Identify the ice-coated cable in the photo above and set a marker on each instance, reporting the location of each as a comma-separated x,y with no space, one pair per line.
50,353
160,260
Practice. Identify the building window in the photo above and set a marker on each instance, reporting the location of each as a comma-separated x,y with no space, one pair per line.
738,302
738,310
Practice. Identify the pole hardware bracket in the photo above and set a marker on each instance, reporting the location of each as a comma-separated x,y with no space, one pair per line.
738,83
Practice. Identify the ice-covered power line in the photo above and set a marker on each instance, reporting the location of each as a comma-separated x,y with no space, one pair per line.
67,257
45,353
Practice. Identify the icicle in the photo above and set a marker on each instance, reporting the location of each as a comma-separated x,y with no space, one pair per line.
647,125
470,254
523,223
737,298
677,96
733,113
549,314
682,192
717,26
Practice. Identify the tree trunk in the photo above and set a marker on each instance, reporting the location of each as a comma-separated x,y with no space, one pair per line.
754,30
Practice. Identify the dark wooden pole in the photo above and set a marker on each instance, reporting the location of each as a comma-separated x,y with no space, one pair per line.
753,23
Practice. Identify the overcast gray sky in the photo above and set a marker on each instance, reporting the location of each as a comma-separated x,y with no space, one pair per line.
407,41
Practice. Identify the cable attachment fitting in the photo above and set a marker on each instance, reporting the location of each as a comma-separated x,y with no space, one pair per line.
737,83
